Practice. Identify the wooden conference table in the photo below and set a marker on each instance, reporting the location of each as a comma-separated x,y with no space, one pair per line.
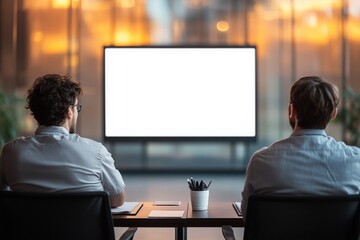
217,215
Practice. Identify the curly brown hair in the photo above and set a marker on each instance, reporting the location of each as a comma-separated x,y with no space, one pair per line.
50,98
314,100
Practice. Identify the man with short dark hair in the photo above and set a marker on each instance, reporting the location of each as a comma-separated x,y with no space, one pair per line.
56,159
308,162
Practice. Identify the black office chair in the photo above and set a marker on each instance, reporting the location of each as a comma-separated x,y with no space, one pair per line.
57,216
305,218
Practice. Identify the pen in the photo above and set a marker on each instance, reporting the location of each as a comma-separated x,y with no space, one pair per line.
202,185
196,185
189,183
192,183
209,184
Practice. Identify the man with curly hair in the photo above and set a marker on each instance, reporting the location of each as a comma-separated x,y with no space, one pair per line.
56,159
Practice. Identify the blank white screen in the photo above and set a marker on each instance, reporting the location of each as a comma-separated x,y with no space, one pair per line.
180,92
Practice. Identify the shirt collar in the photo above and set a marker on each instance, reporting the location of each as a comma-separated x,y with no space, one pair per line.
309,132
45,130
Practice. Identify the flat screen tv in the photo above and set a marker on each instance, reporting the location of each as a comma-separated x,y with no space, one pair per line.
180,93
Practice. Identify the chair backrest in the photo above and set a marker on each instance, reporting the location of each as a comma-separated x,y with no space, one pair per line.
85,215
305,218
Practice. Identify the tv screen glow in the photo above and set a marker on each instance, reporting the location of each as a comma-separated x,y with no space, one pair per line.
180,93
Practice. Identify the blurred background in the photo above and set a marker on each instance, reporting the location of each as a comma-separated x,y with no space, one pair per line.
293,38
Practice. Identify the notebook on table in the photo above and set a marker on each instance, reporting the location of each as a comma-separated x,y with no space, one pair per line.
128,208
167,203
166,214
237,207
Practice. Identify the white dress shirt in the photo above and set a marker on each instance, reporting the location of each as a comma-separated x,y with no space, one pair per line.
307,163
55,161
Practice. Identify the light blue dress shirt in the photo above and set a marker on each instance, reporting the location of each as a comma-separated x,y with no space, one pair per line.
55,161
307,163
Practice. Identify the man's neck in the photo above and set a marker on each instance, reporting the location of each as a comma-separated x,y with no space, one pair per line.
66,124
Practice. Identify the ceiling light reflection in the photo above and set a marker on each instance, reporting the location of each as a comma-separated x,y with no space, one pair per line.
222,26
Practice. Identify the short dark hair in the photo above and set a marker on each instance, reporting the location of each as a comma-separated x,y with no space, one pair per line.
50,97
314,100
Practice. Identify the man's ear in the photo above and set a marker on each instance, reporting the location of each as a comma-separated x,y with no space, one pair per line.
291,111
334,114
70,113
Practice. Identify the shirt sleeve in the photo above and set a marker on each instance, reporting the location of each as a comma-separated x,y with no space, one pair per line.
244,201
111,178
248,188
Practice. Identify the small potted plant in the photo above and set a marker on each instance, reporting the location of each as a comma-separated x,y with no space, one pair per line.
9,117
349,117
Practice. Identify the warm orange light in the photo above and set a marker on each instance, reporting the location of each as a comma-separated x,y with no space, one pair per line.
177,29
122,37
321,33
60,4
311,19
75,3
314,23
308,5
73,62
37,36
222,26
127,3
126,38
353,30
55,45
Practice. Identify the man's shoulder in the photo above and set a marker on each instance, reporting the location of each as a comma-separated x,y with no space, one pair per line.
84,144
337,145
274,146
84,140
354,150
16,141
